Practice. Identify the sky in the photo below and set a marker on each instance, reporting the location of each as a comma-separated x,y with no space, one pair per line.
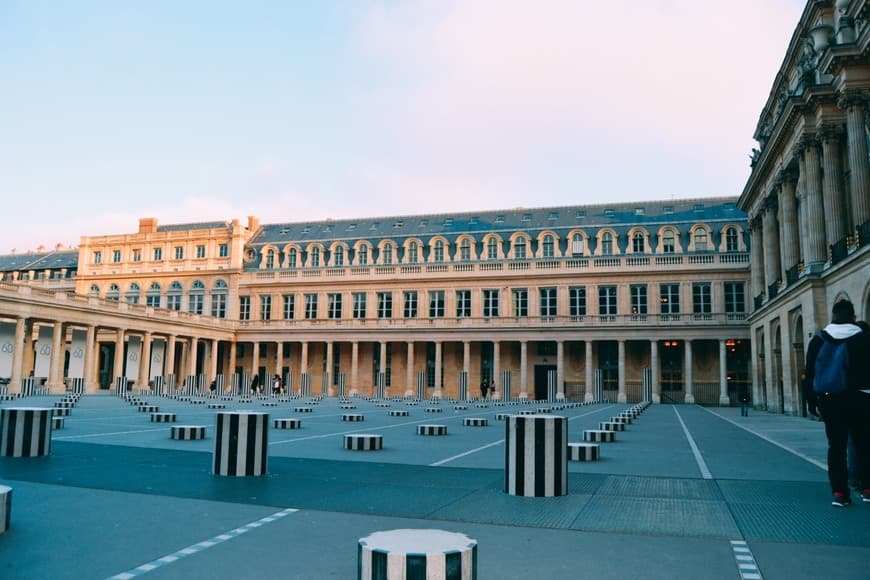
296,110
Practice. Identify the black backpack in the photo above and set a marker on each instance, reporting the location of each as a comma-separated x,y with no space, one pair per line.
832,366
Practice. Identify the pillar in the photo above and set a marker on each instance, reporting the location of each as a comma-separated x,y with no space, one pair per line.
354,368
212,374
655,371
817,252
191,358
303,358
789,223
590,388
329,353
560,370
859,167
255,358
169,356
832,188
800,194
620,372
771,242
524,365
119,354
382,365
757,254
724,400
232,362
690,379
21,326
89,365
438,391
409,371
55,372
145,362
496,370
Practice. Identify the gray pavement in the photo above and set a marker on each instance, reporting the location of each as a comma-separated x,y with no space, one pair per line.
684,492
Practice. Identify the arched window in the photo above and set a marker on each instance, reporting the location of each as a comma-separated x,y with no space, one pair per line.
114,292
465,250
520,248
152,297
547,248
291,258
638,244
577,245
606,244
132,295
95,290
439,251
219,299
315,257
363,255
387,254
196,298
701,240
338,256
173,296
492,249
413,253
668,242
270,260
731,240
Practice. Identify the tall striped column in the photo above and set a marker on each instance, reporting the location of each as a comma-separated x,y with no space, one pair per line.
240,443
25,432
5,507
417,555
536,455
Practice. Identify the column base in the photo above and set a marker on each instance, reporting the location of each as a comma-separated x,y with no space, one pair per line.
354,392
690,398
724,401
589,398
656,398
621,398
560,396
438,393
495,396
523,395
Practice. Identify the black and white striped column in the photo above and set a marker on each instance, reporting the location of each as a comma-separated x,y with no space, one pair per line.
25,432
240,443
187,432
431,429
417,555
536,455
363,442
5,507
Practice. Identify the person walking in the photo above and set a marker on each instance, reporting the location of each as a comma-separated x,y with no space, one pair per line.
744,399
837,370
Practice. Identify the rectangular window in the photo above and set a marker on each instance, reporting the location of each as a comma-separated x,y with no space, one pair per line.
223,250
173,302
520,298
607,302
265,307
137,255
334,306
310,306
244,307
669,299
219,305
179,252
385,304
158,254
490,302
359,305
577,302
638,297
98,257
200,251
289,306
702,303
410,299
194,303
548,302
152,300
436,304
116,256
735,300
463,303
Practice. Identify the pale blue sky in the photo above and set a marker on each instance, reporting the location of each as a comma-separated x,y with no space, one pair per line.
295,110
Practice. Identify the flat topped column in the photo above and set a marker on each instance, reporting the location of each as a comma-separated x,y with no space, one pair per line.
25,431
621,396
690,380
859,166
240,443
524,365
417,555
536,455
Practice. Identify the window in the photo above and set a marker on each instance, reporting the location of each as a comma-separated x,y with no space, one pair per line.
152,297
410,300
492,249
731,240
702,305
98,257
465,251
338,257
359,305
548,302
463,303
606,244
577,302
195,299
158,254
735,300
244,307
219,304
490,302
669,298
270,259
607,302
577,245
362,255
173,296
701,240
668,242
413,253
439,251
265,307
314,262
95,290
291,258
179,252
334,306
638,297
113,293
387,254
289,306
638,245
223,250
200,251
137,255
310,306
385,304
520,298
132,295
116,256
520,248
436,304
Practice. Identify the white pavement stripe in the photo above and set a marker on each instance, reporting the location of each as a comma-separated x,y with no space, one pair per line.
199,547
807,458
443,461
107,434
699,459
746,565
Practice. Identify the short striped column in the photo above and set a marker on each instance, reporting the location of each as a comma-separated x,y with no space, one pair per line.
303,409
57,422
363,442
148,408
353,417
611,426
417,555
187,432
536,452
398,413
25,432
216,406
287,423
475,422
240,443
433,409
61,412
5,507
584,452
599,436
432,430
163,417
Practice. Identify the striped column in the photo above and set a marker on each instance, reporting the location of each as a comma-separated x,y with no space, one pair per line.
506,385
421,385
463,385
25,432
417,555
536,455
5,507
240,443
305,385
170,384
77,385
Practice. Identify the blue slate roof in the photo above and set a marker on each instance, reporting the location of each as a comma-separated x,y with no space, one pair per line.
40,261
192,226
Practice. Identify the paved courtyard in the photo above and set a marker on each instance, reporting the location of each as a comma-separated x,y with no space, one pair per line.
684,492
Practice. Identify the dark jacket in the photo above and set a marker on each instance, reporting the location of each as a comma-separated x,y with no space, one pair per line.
858,343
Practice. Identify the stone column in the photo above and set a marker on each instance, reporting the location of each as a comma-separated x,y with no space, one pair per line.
22,325
232,362
145,362
303,358
89,365
496,370
119,355
466,357
655,371
212,362
817,252
382,365
438,391
620,372
690,379
859,167
724,400
835,207
169,357
55,368
801,195
354,368
410,386
757,254
590,388
771,242
191,359
560,370
329,354
789,223
524,366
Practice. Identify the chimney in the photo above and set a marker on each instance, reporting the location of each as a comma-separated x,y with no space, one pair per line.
147,225
253,223
58,247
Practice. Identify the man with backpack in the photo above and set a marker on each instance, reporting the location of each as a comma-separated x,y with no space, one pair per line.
837,371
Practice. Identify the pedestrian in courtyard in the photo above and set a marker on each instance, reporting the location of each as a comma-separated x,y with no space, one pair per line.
255,384
277,385
837,370
484,387
744,399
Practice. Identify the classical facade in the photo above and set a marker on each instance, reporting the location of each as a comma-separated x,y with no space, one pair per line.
808,197
621,301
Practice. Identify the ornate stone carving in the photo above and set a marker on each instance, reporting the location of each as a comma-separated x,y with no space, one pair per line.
831,132
852,98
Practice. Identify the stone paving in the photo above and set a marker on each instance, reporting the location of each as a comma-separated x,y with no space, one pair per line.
683,492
